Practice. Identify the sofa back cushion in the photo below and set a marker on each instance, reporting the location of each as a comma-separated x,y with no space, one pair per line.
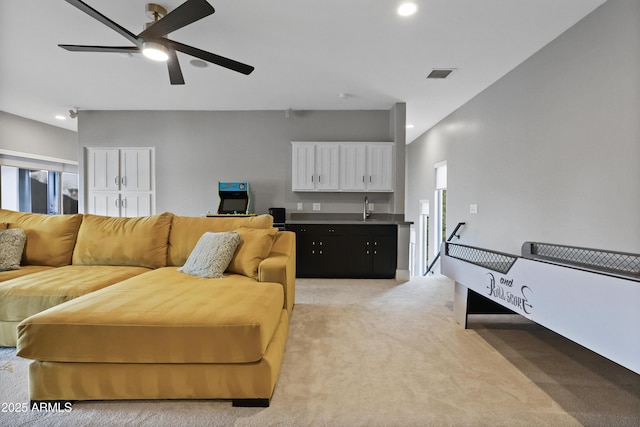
255,246
187,230
140,241
50,238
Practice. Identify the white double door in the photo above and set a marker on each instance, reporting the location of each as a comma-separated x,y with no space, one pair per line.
120,181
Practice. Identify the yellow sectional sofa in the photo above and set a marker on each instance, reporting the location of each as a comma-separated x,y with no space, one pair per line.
134,326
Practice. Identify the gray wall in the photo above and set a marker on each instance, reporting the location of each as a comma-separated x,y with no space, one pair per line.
29,136
196,149
551,152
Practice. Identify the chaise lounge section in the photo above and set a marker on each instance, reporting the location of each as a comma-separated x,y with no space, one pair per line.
161,333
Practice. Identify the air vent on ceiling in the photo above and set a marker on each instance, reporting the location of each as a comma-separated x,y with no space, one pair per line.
440,73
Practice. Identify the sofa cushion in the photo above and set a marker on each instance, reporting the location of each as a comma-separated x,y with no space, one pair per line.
186,230
255,246
212,254
162,316
27,295
50,238
11,248
140,241
24,270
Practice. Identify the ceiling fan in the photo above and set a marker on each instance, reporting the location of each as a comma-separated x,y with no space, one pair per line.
152,40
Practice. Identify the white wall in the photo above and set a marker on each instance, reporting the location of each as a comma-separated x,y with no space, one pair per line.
29,136
196,149
551,152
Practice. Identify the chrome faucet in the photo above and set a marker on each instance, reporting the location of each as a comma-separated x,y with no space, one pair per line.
365,211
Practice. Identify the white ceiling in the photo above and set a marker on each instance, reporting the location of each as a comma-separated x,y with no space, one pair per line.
306,53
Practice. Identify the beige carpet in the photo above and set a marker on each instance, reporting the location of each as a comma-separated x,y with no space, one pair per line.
382,353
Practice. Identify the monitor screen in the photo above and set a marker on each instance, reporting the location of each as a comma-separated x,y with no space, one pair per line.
229,206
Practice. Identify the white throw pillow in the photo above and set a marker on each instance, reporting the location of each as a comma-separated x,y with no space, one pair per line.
11,246
212,254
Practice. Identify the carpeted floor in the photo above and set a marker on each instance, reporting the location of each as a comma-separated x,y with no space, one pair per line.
383,353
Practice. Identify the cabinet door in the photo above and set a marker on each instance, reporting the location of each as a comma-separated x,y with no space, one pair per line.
303,167
103,169
107,204
135,167
380,167
384,255
353,162
360,250
327,167
135,204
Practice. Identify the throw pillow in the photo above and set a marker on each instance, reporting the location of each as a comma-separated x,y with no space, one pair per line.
256,246
212,254
11,246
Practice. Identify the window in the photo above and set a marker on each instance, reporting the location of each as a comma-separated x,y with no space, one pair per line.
423,225
39,190
38,184
440,212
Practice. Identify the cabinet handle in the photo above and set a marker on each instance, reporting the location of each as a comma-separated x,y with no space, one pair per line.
116,203
123,203
312,178
363,179
319,180
116,180
369,179
124,181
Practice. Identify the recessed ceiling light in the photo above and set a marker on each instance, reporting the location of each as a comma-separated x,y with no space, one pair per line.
60,117
198,63
407,9
410,126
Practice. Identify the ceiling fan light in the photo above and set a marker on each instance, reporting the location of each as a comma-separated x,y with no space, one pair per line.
407,9
155,51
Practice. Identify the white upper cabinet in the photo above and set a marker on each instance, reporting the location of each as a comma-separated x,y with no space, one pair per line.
379,167
315,166
353,167
303,167
327,166
342,166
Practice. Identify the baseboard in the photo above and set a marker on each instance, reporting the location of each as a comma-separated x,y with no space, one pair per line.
403,275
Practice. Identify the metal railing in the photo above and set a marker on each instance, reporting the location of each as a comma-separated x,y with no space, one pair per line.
492,260
612,262
451,236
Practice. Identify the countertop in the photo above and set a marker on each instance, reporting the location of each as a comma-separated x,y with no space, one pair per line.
347,219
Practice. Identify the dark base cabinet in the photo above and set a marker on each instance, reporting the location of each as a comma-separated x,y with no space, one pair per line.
347,251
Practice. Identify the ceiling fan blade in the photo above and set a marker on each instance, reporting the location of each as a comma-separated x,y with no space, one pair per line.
175,72
185,14
117,49
210,57
106,21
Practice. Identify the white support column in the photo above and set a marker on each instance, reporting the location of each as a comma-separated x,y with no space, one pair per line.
460,293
